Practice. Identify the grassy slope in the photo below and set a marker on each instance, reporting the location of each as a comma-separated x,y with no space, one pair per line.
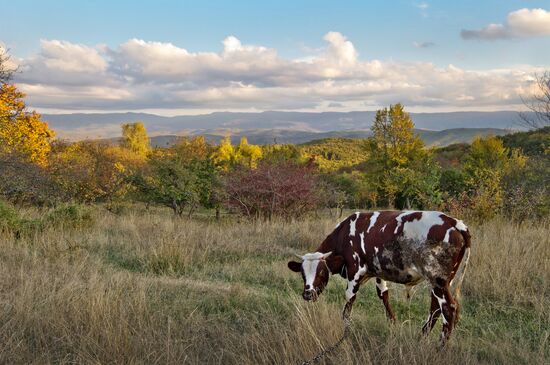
146,288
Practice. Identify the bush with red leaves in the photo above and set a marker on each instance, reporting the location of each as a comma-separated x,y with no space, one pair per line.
284,190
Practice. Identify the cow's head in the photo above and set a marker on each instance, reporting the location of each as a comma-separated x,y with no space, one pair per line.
315,269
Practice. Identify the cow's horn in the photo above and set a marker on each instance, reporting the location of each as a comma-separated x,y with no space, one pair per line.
298,256
326,255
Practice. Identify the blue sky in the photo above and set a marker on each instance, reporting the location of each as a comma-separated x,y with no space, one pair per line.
402,32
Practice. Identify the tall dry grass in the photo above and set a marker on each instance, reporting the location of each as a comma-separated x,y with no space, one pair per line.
147,288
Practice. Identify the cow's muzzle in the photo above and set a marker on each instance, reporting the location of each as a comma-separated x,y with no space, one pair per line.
310,294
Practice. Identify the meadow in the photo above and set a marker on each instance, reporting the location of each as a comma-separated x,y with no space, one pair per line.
145,287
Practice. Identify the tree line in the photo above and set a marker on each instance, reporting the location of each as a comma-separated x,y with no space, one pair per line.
393,168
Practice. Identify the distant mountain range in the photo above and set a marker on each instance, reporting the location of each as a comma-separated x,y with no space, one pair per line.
267,136
281,127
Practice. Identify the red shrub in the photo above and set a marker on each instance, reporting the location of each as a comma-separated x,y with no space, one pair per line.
273,189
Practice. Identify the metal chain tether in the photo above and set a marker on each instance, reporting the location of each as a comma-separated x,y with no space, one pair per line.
330,349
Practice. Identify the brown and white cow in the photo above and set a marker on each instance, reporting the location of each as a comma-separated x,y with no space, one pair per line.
404,247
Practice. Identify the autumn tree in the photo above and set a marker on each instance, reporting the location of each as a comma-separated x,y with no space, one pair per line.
21,131
285,190
189,149
485,167
395,143
182,177
248,154
93,171
225,155
134,137
401,167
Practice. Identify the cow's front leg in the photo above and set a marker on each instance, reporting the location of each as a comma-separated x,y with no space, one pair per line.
351,292
382,291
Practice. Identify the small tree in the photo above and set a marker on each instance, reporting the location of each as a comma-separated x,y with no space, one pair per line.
286,190
248,154
6,72
176,181
538,103
93,171
395,143
134,137
485,166
401,168
224,156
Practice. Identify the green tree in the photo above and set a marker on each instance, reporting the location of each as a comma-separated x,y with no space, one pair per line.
134,137
401,168
177,180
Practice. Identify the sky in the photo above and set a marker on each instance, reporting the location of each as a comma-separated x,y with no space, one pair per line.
189,57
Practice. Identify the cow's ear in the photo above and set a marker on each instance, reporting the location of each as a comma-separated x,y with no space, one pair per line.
335,264
295,266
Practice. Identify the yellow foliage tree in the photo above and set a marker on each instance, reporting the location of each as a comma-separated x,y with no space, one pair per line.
92,171
486,165
395,142
248,154
135,138
224,155
22,132
189,149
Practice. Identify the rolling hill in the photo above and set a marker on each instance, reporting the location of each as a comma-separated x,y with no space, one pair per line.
270,136
81,126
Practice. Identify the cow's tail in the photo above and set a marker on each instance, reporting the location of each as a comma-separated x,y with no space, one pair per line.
459,276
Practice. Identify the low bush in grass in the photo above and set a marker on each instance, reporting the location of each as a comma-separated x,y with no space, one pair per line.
69,215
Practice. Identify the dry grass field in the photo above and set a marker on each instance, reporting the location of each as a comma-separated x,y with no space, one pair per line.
146,288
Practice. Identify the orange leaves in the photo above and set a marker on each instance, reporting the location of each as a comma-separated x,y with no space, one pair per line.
22,132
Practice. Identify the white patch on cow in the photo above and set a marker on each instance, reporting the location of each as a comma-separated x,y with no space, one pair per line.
352,283
399,219
382,286
383,228
355,257
309,265
352,224
417,230
362,236
310,269
351,243
441,301
448,234
461,226
375,260
373,220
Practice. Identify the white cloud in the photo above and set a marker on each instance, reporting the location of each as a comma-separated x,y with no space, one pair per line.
520,23
139,74
423,5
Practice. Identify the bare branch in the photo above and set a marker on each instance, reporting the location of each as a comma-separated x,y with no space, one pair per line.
538,104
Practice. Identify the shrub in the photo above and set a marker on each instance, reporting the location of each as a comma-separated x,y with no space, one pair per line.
12,222
286,190
9,219
69,215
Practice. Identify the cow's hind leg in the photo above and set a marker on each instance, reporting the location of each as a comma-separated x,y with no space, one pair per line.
435,311
447,308
382,291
